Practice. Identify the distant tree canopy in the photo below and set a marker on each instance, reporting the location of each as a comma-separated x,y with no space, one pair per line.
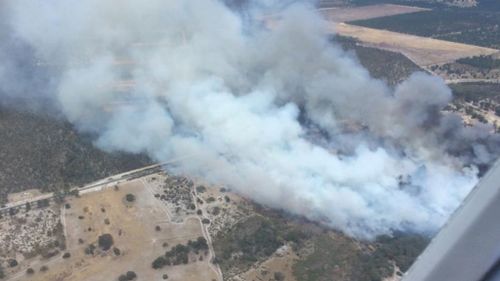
486,62
43,203
105,241
201,189
12,262
159,262
199,245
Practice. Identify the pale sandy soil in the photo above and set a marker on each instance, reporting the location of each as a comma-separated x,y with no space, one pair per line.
367,12
421,50
133,229
23,195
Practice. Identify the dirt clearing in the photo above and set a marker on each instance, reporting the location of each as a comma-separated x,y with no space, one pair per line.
141,232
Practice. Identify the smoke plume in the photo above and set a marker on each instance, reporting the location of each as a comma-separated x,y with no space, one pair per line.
281,115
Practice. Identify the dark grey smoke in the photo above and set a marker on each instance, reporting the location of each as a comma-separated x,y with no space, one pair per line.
242,103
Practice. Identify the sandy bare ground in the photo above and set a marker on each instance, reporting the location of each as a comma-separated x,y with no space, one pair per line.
133,229
25,195
367,12
421,50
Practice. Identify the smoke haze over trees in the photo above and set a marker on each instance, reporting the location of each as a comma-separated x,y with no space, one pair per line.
244,100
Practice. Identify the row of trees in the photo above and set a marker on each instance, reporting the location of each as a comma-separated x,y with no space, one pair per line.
485,62
179,254
130,275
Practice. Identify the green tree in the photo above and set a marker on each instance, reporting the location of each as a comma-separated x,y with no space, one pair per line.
131,275
105,241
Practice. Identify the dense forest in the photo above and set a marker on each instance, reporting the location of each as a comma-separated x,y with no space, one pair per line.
41,151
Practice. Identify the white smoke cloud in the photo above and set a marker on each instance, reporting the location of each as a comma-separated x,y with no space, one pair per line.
230,92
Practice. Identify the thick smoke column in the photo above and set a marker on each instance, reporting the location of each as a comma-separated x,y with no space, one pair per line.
222,88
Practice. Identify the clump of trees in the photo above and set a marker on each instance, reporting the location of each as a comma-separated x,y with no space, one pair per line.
198,245
179,254
12,263
201,189
43,203
90,249
216,211
486,62
159,262
130,275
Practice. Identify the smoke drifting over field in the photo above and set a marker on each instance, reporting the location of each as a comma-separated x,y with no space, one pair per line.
219,87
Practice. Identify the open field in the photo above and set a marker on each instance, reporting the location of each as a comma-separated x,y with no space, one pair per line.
141,231
367,12
423,51
479,26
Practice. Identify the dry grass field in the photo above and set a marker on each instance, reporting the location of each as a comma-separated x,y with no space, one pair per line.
366,12
421,50
133,227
